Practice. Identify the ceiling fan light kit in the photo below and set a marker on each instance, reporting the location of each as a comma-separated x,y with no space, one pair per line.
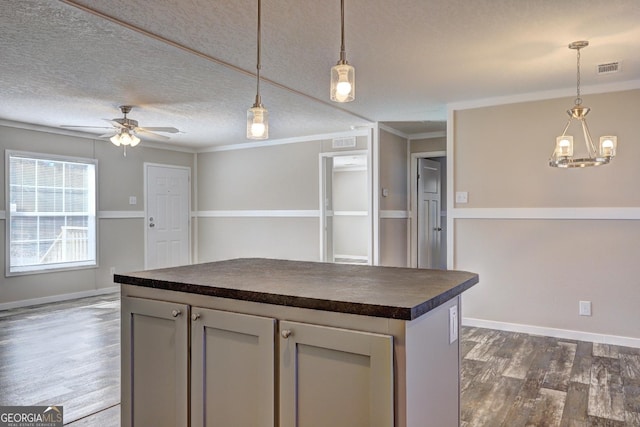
127,130
563,154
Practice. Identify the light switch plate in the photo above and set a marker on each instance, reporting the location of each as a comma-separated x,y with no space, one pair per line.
585,308
133,200
453,324
462,197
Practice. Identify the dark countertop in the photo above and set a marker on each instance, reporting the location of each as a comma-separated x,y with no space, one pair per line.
396,293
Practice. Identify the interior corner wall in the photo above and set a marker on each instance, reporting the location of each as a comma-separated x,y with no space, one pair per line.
542,239
120,225
260,202
394,216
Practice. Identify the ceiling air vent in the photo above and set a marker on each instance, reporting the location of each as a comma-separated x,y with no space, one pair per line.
348,142
608,68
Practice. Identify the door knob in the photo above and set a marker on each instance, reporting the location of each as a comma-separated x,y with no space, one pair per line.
152,225
286,333
437,229
195,316
176,313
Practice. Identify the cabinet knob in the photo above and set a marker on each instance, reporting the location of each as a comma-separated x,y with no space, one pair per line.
195,316
176,313
285,333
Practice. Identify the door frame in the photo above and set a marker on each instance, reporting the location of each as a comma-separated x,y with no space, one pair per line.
412,237
146,166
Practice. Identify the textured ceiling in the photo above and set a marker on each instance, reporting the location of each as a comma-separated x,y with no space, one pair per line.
190,63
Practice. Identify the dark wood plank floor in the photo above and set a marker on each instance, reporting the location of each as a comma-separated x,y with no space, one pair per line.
511,379
69,354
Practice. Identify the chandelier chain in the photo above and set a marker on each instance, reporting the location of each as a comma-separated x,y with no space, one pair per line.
578,100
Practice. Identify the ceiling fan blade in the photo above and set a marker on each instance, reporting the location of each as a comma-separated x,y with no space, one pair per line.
85,127
114,123
107,135
161,129
145,132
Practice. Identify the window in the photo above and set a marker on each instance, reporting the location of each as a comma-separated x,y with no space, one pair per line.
51,212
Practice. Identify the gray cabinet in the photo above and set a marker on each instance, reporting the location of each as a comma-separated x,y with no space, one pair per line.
236,364
154,363
334,377
232,369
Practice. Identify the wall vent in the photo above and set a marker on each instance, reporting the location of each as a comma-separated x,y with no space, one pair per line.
610,67
348,142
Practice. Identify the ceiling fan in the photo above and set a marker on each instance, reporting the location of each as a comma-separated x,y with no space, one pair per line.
125,131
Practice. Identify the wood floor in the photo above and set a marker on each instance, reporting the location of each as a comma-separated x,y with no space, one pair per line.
511,379
69,354
64,354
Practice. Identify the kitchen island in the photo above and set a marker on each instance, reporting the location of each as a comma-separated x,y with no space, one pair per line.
263,342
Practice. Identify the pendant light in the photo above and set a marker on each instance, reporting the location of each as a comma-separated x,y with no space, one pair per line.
343,75
258,116
563,155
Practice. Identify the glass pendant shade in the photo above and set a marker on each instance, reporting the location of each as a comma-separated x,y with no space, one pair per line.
608,145
257,122
134,140
564,146
115,139
343,82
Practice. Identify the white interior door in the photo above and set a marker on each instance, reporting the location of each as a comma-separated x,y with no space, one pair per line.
167,207
429,227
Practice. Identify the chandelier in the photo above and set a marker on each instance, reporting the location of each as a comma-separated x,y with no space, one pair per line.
563,154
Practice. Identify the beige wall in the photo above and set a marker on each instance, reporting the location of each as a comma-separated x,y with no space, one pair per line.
535,271
502,154
270,178
393,175
120,240
426,145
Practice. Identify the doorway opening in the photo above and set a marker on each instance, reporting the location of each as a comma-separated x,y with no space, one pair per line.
345,208
428,231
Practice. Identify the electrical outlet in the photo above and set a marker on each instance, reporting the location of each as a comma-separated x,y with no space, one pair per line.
453,324
585,308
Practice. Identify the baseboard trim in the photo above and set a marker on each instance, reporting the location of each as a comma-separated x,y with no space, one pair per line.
553,332
58,298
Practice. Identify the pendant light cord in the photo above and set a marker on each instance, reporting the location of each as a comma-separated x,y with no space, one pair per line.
343,55
258,100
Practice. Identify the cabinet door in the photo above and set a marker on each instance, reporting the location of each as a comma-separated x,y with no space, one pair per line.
154,363
334,377
232,369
